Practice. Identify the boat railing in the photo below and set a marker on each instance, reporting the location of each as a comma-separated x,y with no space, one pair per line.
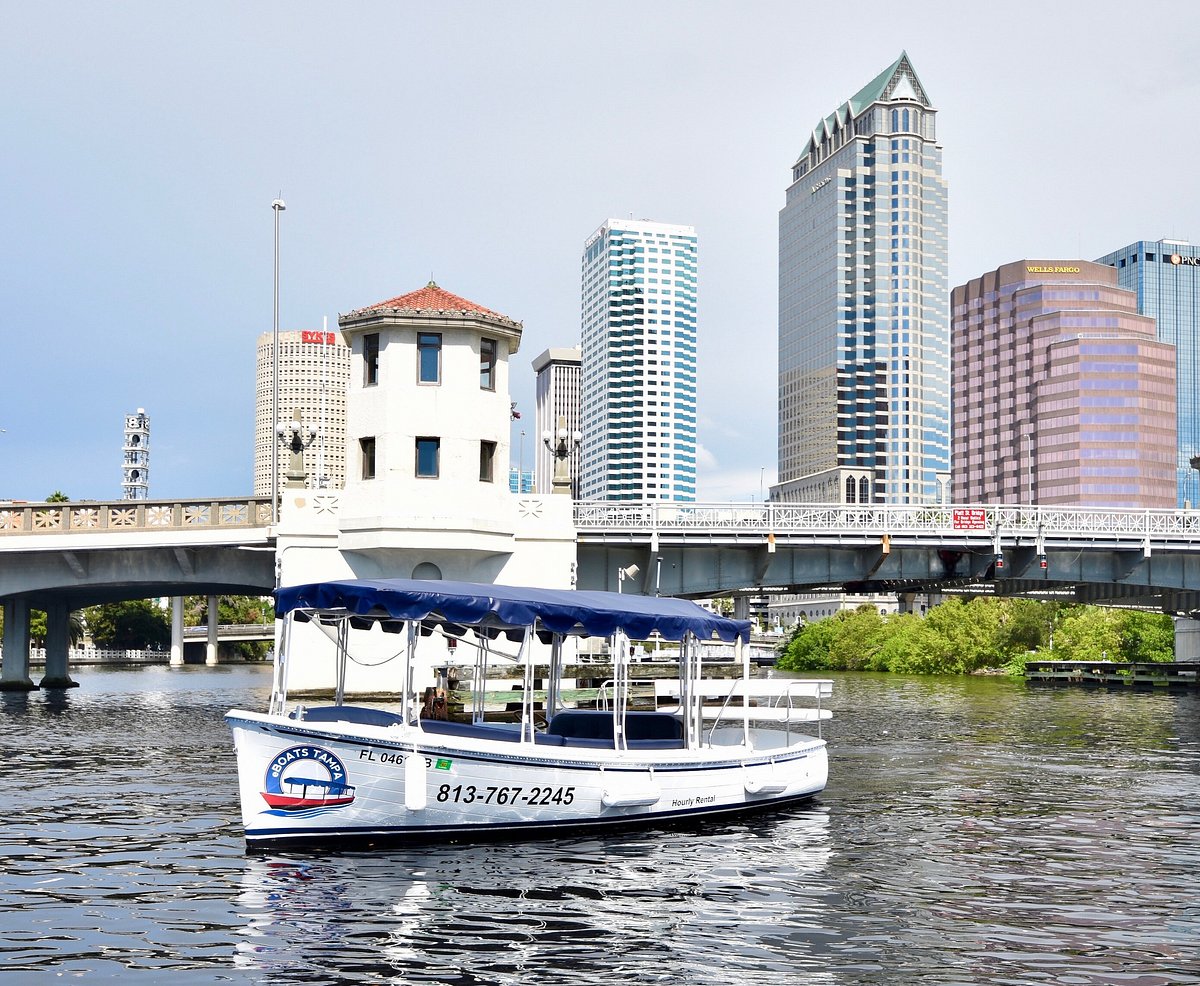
774,699
763,700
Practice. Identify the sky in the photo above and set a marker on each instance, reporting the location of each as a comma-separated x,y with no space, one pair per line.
141,145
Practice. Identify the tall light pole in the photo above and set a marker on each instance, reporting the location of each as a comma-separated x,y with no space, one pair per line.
277,206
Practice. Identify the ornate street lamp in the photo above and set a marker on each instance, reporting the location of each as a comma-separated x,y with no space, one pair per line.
295,437
561,444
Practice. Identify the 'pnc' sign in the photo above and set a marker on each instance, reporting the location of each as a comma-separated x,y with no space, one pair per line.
1178,259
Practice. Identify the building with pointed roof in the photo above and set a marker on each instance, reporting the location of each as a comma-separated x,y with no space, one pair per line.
864,322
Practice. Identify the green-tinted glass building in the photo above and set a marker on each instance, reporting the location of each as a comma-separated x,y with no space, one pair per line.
637,379
1165,274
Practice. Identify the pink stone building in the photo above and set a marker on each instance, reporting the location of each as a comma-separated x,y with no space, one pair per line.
1062,394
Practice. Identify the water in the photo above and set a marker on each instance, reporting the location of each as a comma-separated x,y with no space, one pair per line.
974,831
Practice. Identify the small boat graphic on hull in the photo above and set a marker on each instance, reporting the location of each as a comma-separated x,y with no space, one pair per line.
304,793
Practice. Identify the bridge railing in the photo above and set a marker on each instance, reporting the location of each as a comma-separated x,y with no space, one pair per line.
596,517
264,630
133,515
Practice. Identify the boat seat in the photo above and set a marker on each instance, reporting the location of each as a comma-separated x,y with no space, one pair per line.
643,730
348,713
487,731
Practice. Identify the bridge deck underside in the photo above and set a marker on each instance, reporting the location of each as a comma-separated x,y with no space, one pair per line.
1116,573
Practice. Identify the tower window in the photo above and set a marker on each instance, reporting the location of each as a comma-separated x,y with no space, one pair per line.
487,461
371,359
487,364
366,450
429,457
429,357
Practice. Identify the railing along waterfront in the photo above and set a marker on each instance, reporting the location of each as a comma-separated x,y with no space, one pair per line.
133,515
980,520
102,655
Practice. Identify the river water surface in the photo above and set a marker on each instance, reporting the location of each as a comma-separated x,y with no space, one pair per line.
973,831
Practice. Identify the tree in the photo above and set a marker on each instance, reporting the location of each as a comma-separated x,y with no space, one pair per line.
1088,633
58,496
39,628
1147,636
808,647
134,625
858,635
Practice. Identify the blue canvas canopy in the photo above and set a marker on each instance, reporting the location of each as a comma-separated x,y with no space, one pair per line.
505,607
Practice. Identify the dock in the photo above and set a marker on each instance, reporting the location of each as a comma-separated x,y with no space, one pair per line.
1140,675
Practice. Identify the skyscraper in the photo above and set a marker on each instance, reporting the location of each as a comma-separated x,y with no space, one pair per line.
556,396
864,323
314,374
638,362
1062,394
1165,274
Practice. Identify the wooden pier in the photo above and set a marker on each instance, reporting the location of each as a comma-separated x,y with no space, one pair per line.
1147,675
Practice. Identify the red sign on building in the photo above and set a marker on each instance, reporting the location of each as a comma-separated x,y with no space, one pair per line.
970,519
328,338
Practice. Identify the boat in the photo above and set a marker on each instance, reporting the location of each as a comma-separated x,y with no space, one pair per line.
645,745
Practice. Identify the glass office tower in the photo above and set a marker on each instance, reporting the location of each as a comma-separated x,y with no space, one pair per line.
864,323
637,384
1165,274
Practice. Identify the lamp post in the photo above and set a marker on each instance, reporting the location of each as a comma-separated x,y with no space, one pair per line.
295,438
277,206
1195,463
561,443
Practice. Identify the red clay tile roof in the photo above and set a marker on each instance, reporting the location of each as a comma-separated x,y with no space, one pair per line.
431,298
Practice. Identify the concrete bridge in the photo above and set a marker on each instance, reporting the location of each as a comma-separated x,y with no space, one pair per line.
62,557
1144,558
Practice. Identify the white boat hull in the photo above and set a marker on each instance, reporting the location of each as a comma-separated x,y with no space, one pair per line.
401,782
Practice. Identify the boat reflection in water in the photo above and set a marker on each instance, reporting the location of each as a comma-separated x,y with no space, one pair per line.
657,898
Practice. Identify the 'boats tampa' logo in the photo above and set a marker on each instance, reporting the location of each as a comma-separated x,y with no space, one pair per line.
306,780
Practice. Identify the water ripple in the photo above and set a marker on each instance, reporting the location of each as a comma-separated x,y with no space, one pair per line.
973,832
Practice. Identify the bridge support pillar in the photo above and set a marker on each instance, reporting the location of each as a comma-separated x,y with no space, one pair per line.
741,607
58,646
176,631
14,677
210,648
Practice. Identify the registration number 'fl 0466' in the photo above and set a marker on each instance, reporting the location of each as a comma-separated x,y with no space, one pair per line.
534,796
